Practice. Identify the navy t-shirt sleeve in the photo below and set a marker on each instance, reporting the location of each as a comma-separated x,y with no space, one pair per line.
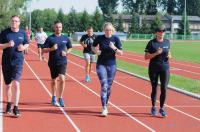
2,37
96,41
47,43
26,40
118,43
69,44
148,48
82,38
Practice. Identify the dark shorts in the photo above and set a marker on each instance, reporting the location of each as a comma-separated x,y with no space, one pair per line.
11,73
40,46
56,70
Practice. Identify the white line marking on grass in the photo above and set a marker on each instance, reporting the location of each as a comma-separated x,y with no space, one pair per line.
171,66
179,63
46,89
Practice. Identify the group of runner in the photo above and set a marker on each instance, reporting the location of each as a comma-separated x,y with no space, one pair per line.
14,41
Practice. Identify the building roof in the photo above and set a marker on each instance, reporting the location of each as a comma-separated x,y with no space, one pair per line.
165,17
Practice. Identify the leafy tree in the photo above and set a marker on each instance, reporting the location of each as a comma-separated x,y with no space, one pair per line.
9,8
120,24
72,22
151,8
145,27
106,5
156,22
137,6
84,20
97,20
181,25
134,27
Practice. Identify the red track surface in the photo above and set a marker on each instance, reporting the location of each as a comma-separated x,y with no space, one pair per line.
128,108
190,70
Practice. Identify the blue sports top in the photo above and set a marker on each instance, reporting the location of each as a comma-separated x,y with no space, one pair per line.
107,56
11,56
55,57
159,62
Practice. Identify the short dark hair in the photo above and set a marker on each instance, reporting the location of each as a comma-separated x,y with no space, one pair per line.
57,21
90,27
15,16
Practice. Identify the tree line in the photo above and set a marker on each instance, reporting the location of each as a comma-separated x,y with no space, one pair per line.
76,21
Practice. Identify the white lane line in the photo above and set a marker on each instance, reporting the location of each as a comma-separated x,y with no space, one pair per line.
46,89
97,107
179,63
170,66
1,102
121,110
142,57
122,85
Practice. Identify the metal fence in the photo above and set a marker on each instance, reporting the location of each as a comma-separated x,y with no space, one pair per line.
168,36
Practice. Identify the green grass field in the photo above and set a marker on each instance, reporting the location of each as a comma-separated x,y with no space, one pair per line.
184,51
175,80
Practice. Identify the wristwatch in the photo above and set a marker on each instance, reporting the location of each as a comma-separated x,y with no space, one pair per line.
115,49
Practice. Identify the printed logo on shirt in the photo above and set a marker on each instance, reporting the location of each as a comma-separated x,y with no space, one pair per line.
21,38
165,47
64,41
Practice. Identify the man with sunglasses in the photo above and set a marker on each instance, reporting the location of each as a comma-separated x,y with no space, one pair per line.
158,51
13,41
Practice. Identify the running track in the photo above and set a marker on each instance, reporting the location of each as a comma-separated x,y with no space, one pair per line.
128,107
186,69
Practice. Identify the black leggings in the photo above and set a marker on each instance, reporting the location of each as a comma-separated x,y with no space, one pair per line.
164,80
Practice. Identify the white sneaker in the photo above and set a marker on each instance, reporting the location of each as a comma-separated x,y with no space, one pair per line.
104,112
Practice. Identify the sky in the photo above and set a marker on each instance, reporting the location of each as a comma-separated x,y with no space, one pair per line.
66,5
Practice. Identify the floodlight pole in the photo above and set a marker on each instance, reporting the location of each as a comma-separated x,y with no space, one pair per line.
185,21
30,20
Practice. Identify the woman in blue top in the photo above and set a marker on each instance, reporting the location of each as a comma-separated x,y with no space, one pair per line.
109,46
158,51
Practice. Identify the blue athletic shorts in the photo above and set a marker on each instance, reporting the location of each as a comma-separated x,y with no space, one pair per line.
11,73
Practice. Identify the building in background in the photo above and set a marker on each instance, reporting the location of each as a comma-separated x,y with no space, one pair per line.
170,21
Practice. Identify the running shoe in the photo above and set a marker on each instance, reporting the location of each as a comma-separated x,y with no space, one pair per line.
162,112
16,111
53,100
8,108
153,111
87,78
61,102
104,112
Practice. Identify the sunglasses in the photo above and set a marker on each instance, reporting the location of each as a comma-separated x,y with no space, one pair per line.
160,31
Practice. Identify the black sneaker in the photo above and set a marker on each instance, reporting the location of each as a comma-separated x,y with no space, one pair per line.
8,108
16,111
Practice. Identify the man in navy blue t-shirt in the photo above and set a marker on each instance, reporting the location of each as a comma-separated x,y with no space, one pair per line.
86,41
58,46
13,41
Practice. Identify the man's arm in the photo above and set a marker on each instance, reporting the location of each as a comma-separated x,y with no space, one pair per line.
7,45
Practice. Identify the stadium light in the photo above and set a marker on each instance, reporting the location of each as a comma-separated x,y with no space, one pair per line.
185,21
